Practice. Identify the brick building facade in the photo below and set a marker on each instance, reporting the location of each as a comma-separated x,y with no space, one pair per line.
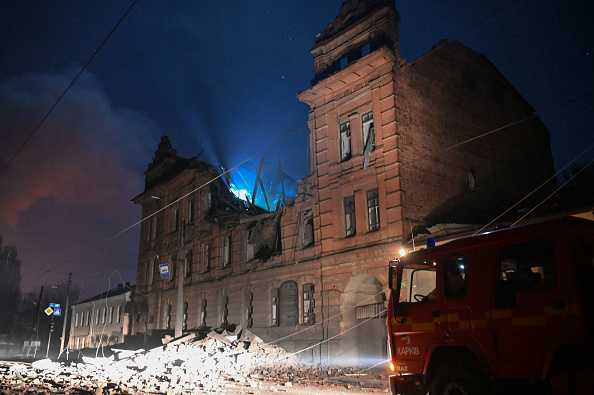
387,161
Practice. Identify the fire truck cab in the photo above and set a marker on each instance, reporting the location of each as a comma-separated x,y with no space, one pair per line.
508,311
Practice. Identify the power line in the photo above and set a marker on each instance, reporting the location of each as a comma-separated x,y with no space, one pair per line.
552,194
36,128
536,189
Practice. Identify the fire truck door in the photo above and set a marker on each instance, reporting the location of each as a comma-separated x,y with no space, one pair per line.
531,307
423,321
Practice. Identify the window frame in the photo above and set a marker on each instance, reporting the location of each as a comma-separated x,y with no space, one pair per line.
344,141
367,119
373,210
226,251
306,230
308,303
206,257
350,217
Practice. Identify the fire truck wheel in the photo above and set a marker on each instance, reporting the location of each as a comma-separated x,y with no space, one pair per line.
457,379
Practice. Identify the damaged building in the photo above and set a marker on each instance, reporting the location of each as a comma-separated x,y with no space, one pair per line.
387,163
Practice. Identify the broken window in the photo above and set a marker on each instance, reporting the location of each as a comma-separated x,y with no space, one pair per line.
349,216
103,315
97,313
226,251
345,141
172,267
368,131
168,316
373,210
274,307
202,314
153,226
174,219
306,236
152,272
288,296
119,315
191,212
249,247
206,201
308,304
249,309
189,263
147,273
368,137
205,258
110,315
223,310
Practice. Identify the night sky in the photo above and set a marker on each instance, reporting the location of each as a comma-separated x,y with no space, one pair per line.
222,78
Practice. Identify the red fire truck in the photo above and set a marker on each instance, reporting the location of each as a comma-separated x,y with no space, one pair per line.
508,311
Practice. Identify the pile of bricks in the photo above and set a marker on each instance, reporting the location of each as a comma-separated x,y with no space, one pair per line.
181,366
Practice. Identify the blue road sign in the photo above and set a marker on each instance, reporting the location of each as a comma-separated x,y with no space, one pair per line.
164,270
58,311
55,305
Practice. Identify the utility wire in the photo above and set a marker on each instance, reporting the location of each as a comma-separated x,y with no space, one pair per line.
534,190
36,128
552,194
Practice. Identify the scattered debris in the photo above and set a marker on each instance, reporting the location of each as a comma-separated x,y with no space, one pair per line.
185,365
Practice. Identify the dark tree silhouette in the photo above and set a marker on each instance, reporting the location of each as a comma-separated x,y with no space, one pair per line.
10,285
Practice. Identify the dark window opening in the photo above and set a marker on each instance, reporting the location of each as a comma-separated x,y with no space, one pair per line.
366,50
202,315
168,316
349,216
274,307
205,258
174,220
345,141
306,236
223,310
226,251
185,317
249,309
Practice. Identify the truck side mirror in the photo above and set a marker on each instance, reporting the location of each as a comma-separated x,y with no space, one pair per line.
393,275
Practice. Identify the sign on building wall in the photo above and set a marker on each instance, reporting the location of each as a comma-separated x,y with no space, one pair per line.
164,270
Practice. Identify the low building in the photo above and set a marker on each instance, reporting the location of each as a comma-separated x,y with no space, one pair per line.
102,320
397,148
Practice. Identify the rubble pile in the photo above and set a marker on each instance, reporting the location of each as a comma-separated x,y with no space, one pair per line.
186,365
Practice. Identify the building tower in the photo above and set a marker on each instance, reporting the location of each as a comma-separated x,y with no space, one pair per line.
398,147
